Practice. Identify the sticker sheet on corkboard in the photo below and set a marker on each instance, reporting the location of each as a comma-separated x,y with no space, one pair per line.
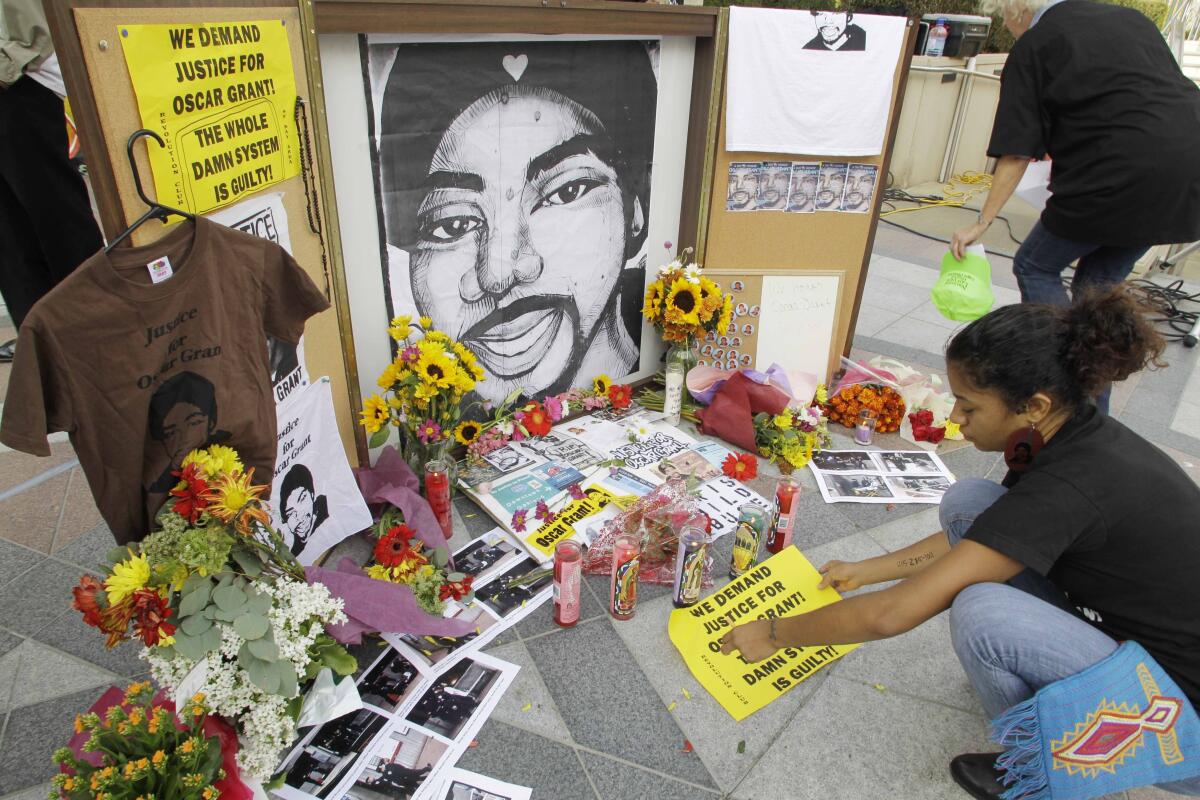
787,317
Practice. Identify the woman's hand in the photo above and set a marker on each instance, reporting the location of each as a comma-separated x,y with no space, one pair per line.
964,237
752,640
843,576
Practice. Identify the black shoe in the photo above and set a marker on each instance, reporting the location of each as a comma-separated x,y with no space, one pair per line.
7,351
976,773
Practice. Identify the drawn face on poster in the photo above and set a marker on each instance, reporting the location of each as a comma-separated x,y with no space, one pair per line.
860,187
836,31
514,184
302,509
183,417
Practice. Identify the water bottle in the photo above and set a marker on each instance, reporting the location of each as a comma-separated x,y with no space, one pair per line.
937,38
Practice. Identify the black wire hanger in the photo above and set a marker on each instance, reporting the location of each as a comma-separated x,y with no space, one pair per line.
157,210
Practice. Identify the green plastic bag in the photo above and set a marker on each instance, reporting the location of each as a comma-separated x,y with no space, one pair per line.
963,292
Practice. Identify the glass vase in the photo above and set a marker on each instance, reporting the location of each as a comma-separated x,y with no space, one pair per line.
417,455
686,353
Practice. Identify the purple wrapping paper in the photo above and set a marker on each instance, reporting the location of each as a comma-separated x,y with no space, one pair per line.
373,605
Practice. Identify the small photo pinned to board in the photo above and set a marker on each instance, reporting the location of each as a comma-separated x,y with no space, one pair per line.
802,187
832,185
773,186
742,191
860,188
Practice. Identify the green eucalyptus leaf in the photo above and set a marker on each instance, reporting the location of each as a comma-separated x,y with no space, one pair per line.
195,625
379,438
210,640
190,647
251,626
195,601
288,684
248,562
227,616
196,582
440,557
264,648
117,555
229,598
294,706
262,676
212,612
454,577
225,579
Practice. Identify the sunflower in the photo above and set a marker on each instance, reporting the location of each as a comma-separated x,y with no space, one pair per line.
600,384
710,298
400,327
434,367
426,323
726,315
683,303
462,381
653,306
375,413
467,432
390,376
234,499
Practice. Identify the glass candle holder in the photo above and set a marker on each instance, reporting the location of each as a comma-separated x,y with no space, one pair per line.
864,430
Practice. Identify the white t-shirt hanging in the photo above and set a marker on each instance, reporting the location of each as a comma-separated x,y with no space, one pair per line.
810,83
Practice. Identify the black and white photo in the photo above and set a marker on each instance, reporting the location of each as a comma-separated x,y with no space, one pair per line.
390,681
325,760
504,599
904,462
398,766
514,187
922,487
449,703
486,554
843,461
856,485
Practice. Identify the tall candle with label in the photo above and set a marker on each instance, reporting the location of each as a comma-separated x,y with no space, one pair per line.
568,577
627,550
673,393
787,492
437,492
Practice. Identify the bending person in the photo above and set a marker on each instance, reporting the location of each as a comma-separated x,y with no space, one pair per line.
1094,87
1090,542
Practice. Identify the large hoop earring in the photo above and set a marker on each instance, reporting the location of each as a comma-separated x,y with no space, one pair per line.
1023,445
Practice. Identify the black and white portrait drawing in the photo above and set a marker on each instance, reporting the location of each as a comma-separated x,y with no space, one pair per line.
513,181
742,189
183,418
802,187
836,31
773,180
860,188
831,186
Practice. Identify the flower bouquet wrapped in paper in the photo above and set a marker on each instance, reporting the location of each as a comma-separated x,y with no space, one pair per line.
218,600
657,518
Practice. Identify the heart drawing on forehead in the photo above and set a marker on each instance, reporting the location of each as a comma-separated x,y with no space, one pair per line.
515,65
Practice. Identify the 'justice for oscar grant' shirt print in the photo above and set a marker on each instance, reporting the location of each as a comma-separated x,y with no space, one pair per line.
140,373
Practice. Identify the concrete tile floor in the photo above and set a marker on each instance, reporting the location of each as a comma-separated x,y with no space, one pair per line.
882,722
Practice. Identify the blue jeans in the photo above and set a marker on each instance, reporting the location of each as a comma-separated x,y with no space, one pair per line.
1012,639
1042,257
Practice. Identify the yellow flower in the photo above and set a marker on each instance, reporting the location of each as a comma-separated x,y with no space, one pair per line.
425,392
233,497
653,305
467,432
187,746
434,367
222,459
127,577
726,314
823,394
375,413
952,430
783,421
600,384
464,381
710,298
79,723
158,758
426,323
400,327
197,457
390,376
683,303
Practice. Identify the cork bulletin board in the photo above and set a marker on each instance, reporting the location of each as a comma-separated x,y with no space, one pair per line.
787,317
764,243
102,96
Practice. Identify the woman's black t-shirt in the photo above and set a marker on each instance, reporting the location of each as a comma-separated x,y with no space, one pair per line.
1114,523
1096,87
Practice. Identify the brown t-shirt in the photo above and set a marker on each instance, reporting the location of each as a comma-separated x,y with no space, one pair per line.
140,373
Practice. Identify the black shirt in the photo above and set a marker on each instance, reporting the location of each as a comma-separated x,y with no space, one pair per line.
1096,88
1115,524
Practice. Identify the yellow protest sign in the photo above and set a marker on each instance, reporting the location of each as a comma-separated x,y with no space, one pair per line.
562,527
222,96
781,586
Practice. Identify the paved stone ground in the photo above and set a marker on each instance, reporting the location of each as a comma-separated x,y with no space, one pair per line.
882,722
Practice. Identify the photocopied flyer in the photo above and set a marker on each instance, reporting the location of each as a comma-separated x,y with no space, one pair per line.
873,476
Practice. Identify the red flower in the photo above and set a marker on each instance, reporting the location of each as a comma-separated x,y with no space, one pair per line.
620,395
743,467
150,612
456,589
85,599
394,548
536,421
922,418
192,491
114,621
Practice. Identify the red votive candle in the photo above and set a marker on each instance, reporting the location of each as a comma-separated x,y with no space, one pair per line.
437,492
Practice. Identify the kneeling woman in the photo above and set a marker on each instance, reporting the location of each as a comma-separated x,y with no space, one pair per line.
1093,542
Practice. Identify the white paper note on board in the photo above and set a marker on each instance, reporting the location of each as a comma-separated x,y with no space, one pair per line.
797,322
